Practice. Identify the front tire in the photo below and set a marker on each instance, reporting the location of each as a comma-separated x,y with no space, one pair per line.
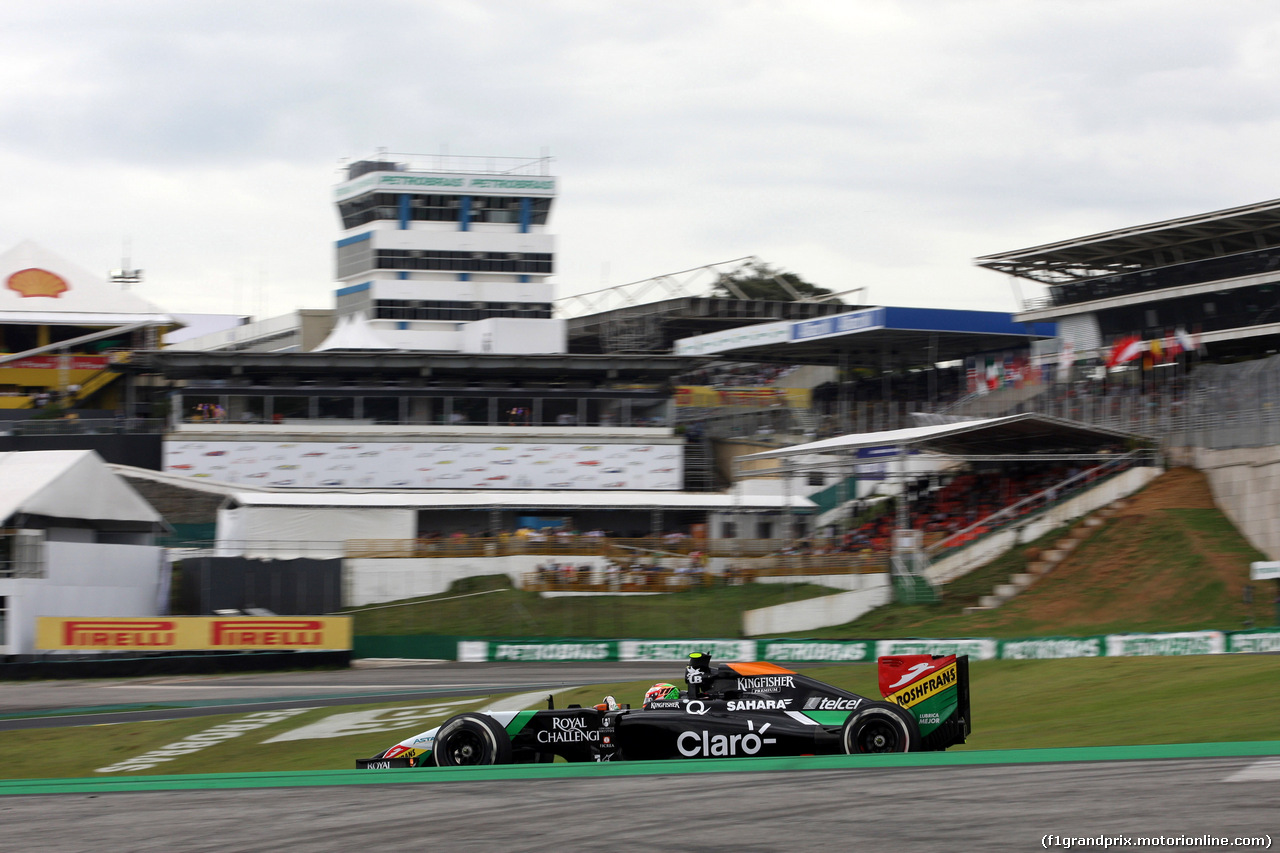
880,727
470,740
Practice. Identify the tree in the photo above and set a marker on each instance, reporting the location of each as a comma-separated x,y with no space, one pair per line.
758,280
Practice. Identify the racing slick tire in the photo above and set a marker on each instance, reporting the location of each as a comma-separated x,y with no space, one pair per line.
880,727
471,740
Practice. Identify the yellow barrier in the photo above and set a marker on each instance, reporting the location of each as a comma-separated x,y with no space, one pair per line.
193,633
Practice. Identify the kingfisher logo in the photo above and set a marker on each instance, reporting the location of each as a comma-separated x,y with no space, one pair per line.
114,633
926,687
267,632
765,683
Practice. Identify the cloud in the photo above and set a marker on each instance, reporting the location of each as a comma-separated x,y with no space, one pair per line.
875,142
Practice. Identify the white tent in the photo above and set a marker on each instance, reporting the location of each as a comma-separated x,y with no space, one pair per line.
41,287
353,333
68,484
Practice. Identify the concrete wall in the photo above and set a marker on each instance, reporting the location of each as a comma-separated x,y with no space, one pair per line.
84,579
373,581
1246,485
989,547
821,612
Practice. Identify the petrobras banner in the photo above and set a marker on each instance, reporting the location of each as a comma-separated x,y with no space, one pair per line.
1183,643
679,650
839,324
859,651
1044,648
553,650
976,648
448,182
777,651
1254,641
193,633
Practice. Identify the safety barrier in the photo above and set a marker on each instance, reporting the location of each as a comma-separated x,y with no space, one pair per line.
816,651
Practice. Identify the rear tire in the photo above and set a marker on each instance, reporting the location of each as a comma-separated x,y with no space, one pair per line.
471,740
880,727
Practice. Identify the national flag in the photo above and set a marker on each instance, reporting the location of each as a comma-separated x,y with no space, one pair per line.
1186,341
1171,345
1157,352
1126,350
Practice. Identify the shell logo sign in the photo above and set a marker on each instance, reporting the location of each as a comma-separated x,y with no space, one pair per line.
37,282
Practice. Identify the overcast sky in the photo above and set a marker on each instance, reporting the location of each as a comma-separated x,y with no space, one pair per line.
859,144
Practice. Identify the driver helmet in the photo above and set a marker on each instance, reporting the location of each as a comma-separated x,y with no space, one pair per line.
661,692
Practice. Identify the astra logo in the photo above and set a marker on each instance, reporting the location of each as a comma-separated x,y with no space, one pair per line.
765,683
821,703
707,745
760,705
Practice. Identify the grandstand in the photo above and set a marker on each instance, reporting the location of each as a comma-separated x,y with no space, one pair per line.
1215,275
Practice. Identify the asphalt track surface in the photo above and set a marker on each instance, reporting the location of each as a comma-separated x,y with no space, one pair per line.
52,704
1008,806
909,810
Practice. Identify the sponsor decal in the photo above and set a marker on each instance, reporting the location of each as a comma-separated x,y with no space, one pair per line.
829,703
977,649
37,282
1186,643
266,632
697,706
926,687
765,683
707,745
679,650
1066,647
568,730
1260,641
202,740
816,651
929,719
760,705
118,633
192,633
660,705
911,674
553,651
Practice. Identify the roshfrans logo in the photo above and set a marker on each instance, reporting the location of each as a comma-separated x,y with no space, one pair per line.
267,632
136,633
37,282
926,687
765,683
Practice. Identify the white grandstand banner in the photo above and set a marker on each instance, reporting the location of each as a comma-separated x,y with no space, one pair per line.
760,334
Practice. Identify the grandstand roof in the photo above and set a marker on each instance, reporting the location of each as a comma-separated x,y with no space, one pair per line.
557,500
1155,244
1025,435
885,337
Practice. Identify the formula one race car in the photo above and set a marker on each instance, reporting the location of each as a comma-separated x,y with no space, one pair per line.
735,710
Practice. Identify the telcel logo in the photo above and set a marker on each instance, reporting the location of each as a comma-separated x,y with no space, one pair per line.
692,744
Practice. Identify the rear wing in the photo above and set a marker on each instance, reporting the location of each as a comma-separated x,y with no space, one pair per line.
935,690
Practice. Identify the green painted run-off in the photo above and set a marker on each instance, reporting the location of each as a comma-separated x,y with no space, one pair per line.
211,781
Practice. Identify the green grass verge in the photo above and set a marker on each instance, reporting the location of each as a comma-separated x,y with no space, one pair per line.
502,612
1083,702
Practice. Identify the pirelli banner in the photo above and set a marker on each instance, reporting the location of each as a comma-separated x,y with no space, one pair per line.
194,634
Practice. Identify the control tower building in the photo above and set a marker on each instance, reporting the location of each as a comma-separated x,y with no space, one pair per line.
446,254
